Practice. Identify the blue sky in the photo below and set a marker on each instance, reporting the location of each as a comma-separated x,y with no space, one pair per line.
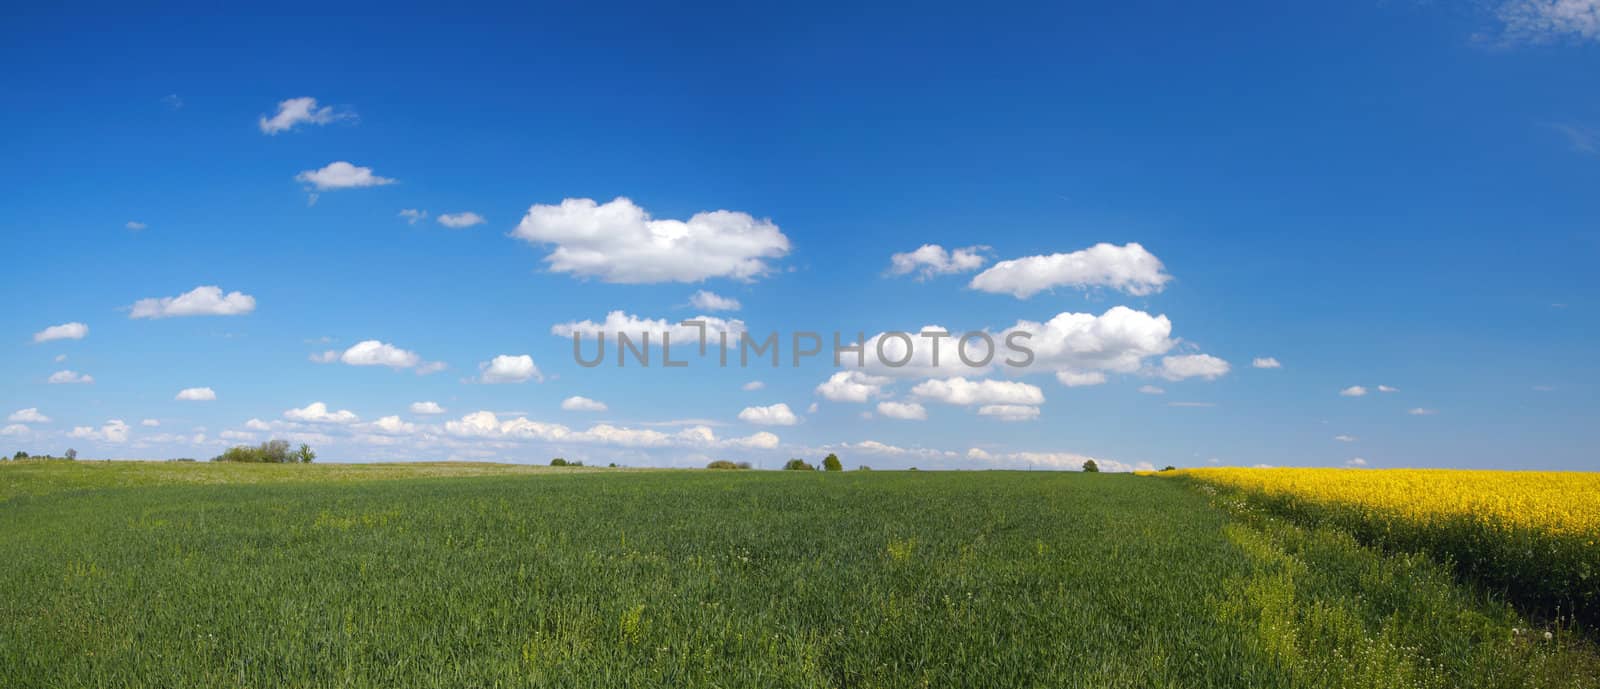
1391,196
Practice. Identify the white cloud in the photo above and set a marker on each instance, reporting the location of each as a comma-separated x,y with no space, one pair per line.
909,411
684,337
1184,366
1419,411
150,423
62,357
1129,268
774,415
1543,21
812,409
931,260
412,215
135,225
969,392
852,386
1385,388
392,425
324,357
1356,462
711,301
456,221
507,368
1345,438
1266,362
65,331
196,394
1009,412
1118,340
69,378
919,361
237,436
259,425
114,431
29,415
296,111
341,175
753,386
1152,390
14,429
620,242
1353,391
1057,460
375,353
576,403
1078,379
206,300
427,408
317,412
485,424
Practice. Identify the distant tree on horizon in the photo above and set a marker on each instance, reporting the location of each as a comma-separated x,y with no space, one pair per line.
832,463
1090,467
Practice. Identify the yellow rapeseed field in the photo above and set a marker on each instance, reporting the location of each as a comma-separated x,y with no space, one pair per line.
1559,502
1532,536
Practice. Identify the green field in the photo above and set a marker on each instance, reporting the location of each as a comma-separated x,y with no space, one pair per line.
204,575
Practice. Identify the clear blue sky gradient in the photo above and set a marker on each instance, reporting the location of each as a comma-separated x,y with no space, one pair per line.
1372,193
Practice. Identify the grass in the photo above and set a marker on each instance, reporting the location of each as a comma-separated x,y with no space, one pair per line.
196,575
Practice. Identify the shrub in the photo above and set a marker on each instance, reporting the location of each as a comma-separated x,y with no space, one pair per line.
270,452
798,465
1090,467
1169,467
831,463
558,462
725,464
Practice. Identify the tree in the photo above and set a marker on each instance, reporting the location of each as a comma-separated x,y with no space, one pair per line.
1090,467
831,463
20,455
558,462
726,464
71,454
798,465
1169,467
304,454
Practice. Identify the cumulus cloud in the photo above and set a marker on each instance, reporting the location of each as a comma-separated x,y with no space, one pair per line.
456,221
114,431
391,425
427,408
1129,268
619,242
909,411
206,300
29,415
324,357
852,386
1056,460
341,175
774,415
1265,362
150,423
930,260
507,368
297,111
412,215
14,429
1202,366
196,394
576,403
1078,379
65,331
753,386
1419,411
317,412
1119,340
1353,391
1385,388
1009,412
69,378
968,392
1356,462
485,424
1152,390
1544,21
711,301
1345,438
375,353
635,327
